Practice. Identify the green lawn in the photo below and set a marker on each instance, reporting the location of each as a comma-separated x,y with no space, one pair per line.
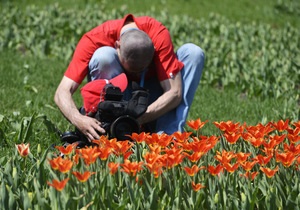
274,12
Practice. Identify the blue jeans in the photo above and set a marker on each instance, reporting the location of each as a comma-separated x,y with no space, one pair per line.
105,64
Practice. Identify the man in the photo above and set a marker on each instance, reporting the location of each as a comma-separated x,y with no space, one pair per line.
141,47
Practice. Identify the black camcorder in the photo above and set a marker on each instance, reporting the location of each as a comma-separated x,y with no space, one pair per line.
117,116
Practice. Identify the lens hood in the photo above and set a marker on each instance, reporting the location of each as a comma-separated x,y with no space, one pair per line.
124,126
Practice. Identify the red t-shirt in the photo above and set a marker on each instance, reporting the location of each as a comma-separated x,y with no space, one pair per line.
164,65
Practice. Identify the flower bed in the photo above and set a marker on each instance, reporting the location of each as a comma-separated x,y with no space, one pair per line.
241,167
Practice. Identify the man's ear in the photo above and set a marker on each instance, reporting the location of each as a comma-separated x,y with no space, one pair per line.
117,44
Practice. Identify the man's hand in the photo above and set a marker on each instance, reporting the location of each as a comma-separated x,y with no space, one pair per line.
170,99
89,126
63,98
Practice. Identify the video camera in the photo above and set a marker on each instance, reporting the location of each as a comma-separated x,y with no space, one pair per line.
117,117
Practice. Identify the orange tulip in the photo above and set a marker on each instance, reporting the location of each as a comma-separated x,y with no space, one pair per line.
232,138
242,157
269,172
297,163
247,166
152,157
228,127
269,147
294,136
215,170
203,145
156,168
250,175
76,157
61,164
196,124
89,154
256,142
256,134
286,159
225,157
66,150
194,157
181,137
281,125
292,148
193,170
58,185
173,156
297,124
122,148
262,160
105,152
131,168
162,140
156,148
113,167
278,138
83,177
23,149
165,140
230,167
65,165
54,163
260,129
139,138
197,187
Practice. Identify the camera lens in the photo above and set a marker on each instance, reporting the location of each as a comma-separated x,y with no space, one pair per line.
123,126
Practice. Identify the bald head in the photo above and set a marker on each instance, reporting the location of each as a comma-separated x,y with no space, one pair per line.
136,50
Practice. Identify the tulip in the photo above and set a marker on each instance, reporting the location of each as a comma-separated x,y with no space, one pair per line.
196,124
247,166
131,168
269,172
232,138
66,150
58,185
113,167
197,187
250,175
228,127
139,138
215,170
286,159
193,170
83,177
23,149
281,125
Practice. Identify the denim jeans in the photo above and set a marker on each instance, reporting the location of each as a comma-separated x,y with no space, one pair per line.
105,64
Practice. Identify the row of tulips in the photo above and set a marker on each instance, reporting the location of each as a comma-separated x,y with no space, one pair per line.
202,169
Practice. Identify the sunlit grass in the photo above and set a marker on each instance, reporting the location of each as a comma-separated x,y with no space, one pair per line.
274,12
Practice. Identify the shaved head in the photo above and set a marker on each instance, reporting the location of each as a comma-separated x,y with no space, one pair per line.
136,50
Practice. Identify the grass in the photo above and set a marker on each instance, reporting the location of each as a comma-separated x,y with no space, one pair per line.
266,11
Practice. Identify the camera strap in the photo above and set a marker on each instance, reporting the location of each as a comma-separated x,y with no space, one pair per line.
142,82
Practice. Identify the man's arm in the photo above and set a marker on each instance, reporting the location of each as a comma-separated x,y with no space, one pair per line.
170,99
63,98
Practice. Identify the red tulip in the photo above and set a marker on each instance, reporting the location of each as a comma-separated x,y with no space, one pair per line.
23,149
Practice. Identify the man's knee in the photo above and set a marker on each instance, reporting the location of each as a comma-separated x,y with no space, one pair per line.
103,56
104,64
192,52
